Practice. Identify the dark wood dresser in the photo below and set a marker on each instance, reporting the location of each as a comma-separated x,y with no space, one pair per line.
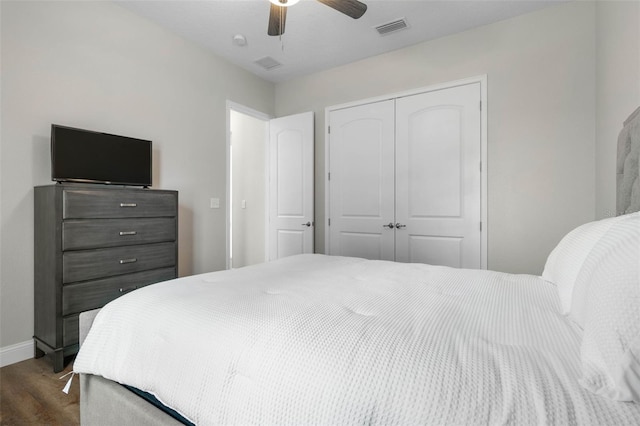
94,243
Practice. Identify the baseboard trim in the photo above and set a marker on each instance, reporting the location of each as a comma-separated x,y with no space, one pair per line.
16,353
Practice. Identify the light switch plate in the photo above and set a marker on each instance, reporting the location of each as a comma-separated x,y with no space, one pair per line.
215,203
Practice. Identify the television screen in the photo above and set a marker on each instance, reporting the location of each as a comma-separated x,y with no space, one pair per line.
85,156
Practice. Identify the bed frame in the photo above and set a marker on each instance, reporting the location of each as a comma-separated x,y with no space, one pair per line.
102,399
112,403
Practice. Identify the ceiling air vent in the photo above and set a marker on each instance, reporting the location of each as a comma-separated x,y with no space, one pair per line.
268,63
392,27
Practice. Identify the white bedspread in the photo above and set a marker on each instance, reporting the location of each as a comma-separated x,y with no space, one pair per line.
314,339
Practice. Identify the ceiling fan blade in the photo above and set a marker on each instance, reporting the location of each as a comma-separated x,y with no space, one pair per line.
352,8
277,17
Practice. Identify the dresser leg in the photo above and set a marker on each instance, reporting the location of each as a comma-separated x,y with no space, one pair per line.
37,352
58,361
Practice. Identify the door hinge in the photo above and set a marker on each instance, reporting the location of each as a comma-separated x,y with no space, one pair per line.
329,176
329,221
480,226
481,166
480,105
329,129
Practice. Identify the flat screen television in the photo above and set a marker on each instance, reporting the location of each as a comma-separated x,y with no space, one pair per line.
79,155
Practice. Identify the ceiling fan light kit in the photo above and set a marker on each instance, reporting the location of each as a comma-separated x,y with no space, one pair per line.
284,3
278,12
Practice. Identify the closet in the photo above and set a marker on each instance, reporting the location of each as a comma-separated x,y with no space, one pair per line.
405,180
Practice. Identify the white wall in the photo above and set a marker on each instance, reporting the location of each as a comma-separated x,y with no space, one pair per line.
95,65
618,89
541,143
249,142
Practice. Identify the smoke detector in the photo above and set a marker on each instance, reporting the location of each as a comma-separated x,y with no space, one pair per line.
239,40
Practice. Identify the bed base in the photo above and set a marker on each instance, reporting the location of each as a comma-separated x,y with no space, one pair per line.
103,402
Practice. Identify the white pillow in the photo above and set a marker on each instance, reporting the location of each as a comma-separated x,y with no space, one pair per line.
565,261
617,233
610,350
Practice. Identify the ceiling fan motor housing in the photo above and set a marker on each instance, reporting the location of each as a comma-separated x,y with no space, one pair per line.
278,13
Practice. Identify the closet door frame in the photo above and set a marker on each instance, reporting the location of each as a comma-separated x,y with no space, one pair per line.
482,80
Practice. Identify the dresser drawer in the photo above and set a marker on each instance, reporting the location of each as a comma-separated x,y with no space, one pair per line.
111,203
99,233
89,295
101,263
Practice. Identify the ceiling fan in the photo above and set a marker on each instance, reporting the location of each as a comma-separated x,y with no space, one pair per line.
278,12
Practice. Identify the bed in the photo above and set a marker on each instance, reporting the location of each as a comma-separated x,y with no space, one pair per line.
316,339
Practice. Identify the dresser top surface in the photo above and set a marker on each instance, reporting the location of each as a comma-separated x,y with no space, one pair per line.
101,187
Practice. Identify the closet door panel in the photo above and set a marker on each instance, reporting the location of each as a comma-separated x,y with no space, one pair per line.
361,185
363,244
435,250
434,163
438,181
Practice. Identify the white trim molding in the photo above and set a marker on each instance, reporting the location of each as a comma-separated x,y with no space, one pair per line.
16,353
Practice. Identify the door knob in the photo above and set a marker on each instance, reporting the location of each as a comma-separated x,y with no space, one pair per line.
399,225
389,225
306,224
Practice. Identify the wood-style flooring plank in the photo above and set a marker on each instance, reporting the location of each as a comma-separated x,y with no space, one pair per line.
31,394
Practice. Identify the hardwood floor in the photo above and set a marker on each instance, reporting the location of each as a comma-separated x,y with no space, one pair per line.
31,394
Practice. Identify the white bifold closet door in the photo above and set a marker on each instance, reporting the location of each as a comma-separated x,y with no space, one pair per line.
361,157
405,179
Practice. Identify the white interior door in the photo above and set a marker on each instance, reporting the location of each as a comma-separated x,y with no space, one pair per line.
438,177
361,181
291,219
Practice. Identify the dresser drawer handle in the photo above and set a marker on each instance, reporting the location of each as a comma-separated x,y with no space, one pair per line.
132,260
124,233
128,289
128,205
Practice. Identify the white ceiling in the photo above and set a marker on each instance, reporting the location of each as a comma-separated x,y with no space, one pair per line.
318,37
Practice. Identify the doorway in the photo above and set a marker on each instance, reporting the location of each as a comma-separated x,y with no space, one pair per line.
248,135
269,186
